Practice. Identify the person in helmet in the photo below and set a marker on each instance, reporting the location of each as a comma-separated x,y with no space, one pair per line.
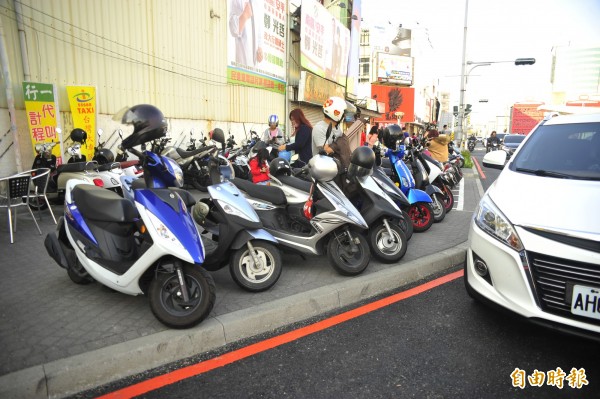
273,134
333,113
259,166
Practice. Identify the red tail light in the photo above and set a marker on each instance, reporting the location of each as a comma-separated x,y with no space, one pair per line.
99,182
308,209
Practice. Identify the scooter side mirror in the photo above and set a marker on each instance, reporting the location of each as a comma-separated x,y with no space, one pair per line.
100,132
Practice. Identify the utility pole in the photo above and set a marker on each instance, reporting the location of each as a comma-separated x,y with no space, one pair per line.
461,106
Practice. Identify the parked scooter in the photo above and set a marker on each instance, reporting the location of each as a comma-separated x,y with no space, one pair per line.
385,237
420,209
110,171
150,246
236,236
55,191
326,222
420,171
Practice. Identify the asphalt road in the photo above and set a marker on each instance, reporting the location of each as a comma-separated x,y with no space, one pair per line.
437,344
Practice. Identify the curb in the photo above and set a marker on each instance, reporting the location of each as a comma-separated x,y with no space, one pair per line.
75,374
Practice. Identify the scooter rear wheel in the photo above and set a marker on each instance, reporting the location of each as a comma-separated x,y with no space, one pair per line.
166,301
385,248
341,257
406,225
252,277
439,212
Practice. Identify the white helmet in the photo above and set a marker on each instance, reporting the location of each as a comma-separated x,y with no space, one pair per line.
334,108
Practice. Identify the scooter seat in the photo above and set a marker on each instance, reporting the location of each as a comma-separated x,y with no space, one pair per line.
271,194
295,182
202,150
76,167
103,205
385,163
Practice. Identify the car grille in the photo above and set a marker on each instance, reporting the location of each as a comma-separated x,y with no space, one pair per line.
554,278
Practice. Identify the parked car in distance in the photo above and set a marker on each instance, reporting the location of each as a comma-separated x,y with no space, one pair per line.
501,136
534,242
480,139
511,142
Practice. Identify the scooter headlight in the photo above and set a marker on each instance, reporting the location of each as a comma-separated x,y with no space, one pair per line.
232,210
489,218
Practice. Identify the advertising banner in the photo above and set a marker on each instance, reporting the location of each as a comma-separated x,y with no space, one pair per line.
82,100
41,107
394,69
256,43
390,39
324,43
396,99
525,116
316,90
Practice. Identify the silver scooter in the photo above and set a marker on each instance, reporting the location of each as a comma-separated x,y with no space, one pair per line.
326,222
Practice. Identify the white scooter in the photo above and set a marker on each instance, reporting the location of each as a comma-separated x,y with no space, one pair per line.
148,246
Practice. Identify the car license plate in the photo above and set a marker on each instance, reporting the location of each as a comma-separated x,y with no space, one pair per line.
586,301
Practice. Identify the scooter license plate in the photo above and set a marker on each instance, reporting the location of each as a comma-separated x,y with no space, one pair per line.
586,301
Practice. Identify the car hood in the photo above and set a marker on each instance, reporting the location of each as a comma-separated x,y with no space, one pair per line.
565,206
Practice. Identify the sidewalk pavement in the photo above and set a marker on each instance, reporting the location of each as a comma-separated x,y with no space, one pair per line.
60,338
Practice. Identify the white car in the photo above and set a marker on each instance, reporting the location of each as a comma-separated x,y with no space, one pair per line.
534,242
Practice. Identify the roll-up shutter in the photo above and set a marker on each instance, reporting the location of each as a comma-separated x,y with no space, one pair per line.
313,113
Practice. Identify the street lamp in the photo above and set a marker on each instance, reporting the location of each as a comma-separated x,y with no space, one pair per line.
464,80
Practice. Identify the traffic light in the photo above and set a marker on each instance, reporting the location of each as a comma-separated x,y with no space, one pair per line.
467,109
525,61
455,110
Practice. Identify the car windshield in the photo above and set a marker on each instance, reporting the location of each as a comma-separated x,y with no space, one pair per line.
514,138
566,151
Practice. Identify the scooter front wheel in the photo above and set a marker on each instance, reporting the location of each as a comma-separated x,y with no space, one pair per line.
387,248
421,215
348,253
166,298
256,274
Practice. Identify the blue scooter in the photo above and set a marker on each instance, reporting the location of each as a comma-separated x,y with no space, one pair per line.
419,207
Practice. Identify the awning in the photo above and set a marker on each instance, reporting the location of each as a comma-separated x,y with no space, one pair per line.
368,113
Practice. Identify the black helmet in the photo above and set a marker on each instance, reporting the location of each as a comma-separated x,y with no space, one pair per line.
148,124
279,166
391,134
218,136
361,162
78,135
104,156
260,145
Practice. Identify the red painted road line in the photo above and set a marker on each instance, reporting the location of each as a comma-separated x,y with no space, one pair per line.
481,174
250,350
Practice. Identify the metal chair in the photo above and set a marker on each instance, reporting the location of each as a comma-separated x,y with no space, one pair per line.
17,188
37,196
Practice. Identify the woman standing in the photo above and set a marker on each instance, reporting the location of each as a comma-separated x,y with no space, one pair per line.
302,130
373,136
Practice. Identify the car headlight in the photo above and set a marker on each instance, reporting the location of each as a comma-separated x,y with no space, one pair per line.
489,218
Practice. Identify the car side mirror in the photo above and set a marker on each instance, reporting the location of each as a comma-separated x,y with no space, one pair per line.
495,159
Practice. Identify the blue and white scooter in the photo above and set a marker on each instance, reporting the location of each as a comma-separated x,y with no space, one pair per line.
149,246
